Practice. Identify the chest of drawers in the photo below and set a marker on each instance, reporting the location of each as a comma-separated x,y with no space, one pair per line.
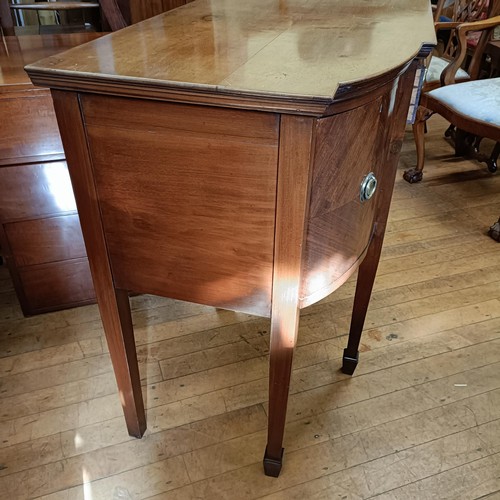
40,231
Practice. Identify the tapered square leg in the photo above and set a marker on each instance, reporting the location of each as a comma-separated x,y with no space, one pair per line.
113,304
284,326
368,268
364,286
295,144
121,343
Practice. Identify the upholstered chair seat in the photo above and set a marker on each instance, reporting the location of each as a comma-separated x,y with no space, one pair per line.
478,99
473,108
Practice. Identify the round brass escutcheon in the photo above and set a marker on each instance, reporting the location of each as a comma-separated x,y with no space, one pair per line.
368,187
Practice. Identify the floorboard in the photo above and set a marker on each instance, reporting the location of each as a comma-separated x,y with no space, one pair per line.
419,420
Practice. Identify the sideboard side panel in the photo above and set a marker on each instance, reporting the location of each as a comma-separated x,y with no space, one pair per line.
187,197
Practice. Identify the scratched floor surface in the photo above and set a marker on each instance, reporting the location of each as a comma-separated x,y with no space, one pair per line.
419,420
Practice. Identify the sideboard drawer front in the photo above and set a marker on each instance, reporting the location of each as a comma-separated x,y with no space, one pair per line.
187,203
348,147
31,191
57,285
45,240
28,127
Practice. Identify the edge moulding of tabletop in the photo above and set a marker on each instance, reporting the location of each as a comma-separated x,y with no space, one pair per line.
240,155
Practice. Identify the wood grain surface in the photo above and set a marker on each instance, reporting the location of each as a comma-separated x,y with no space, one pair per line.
32,129
393,110
349,146
35,190
17,51
113,303
295,157
420,418
289,55
57,284
197,185
210,205
45,240
39,225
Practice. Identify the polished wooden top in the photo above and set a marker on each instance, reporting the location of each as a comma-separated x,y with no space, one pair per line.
262,49
16,52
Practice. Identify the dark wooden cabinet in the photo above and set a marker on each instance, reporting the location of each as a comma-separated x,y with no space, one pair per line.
135,11
40,230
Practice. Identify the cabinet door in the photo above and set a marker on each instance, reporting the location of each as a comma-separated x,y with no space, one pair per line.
349,146
187,196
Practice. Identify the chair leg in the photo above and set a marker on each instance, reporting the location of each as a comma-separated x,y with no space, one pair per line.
464,143
450,132
477,144
415,174
492,161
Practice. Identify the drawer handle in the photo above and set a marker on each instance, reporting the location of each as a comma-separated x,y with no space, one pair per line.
368,187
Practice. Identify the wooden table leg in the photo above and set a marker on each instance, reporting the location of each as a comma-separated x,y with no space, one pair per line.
117,322
113,304
284,326
399,102
364,285
291,206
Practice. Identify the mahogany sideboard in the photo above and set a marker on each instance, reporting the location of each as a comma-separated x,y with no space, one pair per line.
40,232
240,155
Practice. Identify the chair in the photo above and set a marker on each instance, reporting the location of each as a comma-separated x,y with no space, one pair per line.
471,106
452,74
449,14
451,11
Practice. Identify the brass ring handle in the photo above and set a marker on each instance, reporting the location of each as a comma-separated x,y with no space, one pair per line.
368,187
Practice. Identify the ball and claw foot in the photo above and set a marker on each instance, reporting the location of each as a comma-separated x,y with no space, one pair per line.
449,132
413,175
272,467
349,363
494,231
492,165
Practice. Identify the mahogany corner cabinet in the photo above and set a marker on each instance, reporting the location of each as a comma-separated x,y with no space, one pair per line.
240,155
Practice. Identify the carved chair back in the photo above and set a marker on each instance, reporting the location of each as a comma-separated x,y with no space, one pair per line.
466,11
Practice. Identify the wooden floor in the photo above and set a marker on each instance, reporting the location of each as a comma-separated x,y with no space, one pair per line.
419,420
